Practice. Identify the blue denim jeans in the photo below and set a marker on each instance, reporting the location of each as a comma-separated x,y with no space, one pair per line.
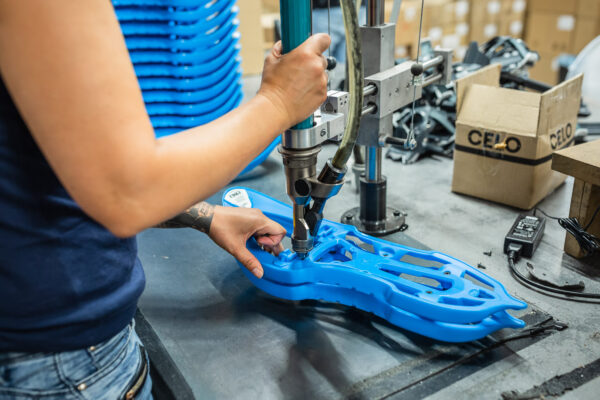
114,369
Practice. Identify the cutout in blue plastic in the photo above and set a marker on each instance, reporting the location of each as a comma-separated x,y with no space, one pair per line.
432,297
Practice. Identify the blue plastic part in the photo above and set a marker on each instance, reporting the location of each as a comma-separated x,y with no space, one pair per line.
191,97
176,4
196,109
187,71
186,57
427,292
130,12
261,157
161,44
186,122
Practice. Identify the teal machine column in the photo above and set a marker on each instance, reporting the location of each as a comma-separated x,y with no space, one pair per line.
296,27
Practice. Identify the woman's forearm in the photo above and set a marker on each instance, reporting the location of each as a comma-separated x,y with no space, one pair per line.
192,165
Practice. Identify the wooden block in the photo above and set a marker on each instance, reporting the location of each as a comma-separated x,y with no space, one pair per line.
581,162
584,202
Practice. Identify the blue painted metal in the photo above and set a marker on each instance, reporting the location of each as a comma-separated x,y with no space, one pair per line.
427,292
296,27
186,57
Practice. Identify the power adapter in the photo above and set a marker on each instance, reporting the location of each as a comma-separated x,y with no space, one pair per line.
526,232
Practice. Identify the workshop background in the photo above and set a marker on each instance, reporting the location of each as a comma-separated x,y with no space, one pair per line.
211,333
553,28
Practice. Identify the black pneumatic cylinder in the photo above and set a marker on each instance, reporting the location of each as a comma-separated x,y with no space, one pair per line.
372,201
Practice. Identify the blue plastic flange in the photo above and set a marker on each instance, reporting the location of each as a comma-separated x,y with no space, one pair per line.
155,82
191,96
130,12
196,109
180,50
205,29
426,292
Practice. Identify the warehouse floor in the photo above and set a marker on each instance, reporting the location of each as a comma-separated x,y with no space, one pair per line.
228,340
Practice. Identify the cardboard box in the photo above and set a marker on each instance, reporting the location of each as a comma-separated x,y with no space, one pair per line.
267,21
485,19
553,6
550,32
505,138
269,6
512,20
407,26
546,69
462,9
586,30
583,8
251,36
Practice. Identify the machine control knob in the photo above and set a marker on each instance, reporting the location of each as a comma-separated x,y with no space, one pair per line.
416,69
331,63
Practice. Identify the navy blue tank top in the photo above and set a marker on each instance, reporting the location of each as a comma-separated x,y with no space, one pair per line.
65,281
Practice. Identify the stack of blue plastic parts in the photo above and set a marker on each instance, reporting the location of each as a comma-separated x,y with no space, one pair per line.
186,57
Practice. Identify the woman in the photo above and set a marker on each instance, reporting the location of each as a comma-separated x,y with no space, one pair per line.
81,173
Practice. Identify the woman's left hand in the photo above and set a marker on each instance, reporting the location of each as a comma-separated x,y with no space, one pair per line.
231,228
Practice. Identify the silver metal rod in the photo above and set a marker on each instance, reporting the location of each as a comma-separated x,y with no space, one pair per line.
369,90
368,109
375,12
433,62
432,79
373,164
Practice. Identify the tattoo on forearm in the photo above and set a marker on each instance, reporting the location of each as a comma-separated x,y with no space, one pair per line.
198,217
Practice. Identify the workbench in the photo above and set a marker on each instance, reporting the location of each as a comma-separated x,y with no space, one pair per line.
221,338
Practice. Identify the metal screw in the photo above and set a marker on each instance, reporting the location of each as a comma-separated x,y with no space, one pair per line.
348,217
323,132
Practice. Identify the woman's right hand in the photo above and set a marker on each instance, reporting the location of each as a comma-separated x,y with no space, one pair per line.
296,82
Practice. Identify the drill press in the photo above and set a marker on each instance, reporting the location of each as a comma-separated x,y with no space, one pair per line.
301,144
386,88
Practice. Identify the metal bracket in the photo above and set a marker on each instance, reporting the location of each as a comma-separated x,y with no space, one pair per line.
328,125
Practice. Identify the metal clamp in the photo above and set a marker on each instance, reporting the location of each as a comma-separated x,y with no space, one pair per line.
329,125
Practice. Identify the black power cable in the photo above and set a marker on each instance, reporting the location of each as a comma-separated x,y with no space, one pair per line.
588,243
514,253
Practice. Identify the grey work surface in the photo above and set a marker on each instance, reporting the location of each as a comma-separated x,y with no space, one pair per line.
231,341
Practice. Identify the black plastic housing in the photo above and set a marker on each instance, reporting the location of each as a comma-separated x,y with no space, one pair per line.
526,231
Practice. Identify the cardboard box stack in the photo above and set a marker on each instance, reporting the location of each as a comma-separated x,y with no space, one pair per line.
491,18
445,23
556,27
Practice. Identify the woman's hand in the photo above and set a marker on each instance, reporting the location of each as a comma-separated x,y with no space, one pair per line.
231,228
296,82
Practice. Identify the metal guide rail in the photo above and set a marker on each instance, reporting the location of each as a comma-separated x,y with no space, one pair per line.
426,292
